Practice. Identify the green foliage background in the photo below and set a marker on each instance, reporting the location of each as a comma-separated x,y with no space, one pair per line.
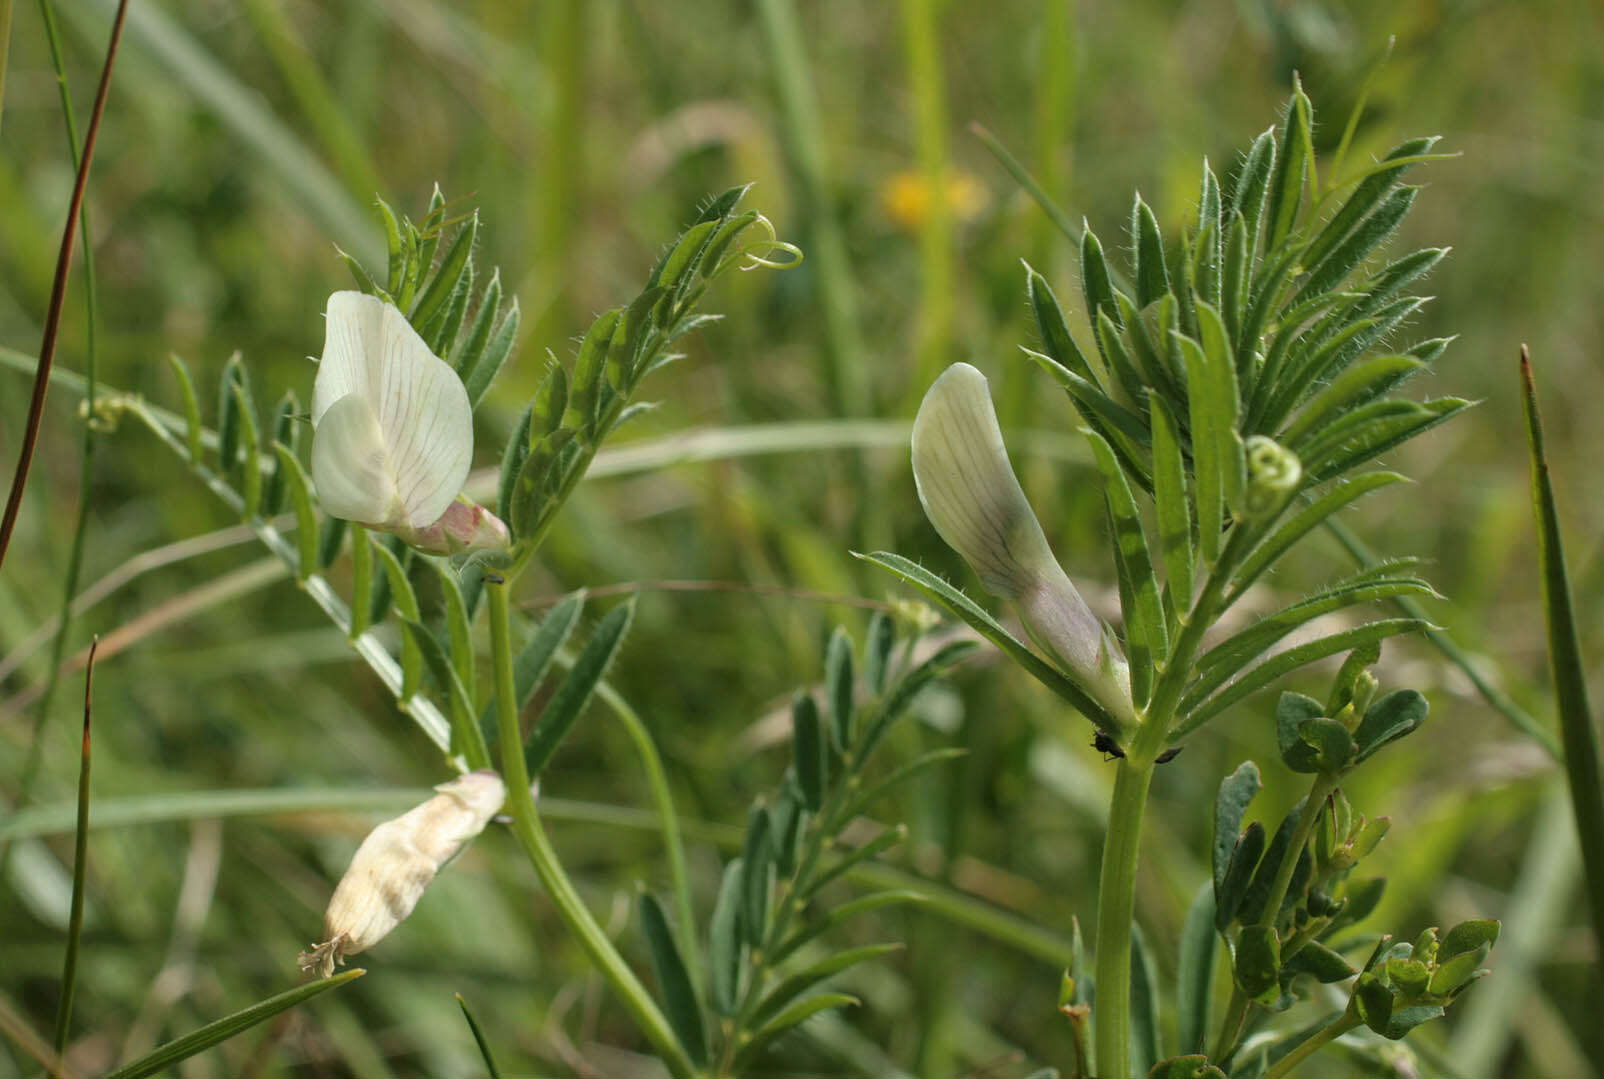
242,139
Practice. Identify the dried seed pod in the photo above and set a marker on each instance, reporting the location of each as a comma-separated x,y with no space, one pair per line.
396,862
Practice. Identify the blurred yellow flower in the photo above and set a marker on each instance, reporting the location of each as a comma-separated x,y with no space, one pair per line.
905,197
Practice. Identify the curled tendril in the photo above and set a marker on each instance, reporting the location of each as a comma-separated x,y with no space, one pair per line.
108,409
756,254
1273,476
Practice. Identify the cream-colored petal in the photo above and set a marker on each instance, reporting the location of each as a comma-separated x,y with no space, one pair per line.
351,464
968,488
417,400
971,495
352,329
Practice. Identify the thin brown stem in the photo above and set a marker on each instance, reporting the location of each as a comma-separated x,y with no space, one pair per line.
58,291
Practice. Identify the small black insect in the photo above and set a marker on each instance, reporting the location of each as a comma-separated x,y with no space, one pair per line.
1104,743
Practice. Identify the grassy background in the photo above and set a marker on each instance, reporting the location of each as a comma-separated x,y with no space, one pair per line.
242,141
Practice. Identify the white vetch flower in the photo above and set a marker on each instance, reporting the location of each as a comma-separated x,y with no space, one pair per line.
393,431
396,862
971,495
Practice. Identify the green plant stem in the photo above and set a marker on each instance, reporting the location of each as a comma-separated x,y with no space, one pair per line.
1236,1014
1116,889
1241,1006
1322,787
1326,1035
1116,908
531,834
69,586
673,843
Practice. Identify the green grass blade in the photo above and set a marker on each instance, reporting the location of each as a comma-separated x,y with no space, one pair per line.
1565,661
165,1056
80,849
479,1039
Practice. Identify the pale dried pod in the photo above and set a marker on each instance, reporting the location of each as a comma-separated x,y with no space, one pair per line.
396,862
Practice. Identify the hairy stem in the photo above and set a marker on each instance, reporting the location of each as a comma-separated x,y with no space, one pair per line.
1115,913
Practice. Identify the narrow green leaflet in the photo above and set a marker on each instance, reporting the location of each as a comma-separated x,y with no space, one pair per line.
895,703
1374,231
796,984
534,660
575,690
842,914
1231,655
795,1014
1292,169
758,876
1360,383
674,984
1146,633
809,750
1239,872
1382,437
726,948
1194,971
1152,277
1199,712
988,627
1252,182
1369,191
880,788
192,418
1289,532
453,266
1211,383
300,494
838,680
164,1057
1056,339
1173,510
1230,805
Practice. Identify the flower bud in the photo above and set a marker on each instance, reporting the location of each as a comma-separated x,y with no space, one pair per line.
465,526
396,862
392,427
971,495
